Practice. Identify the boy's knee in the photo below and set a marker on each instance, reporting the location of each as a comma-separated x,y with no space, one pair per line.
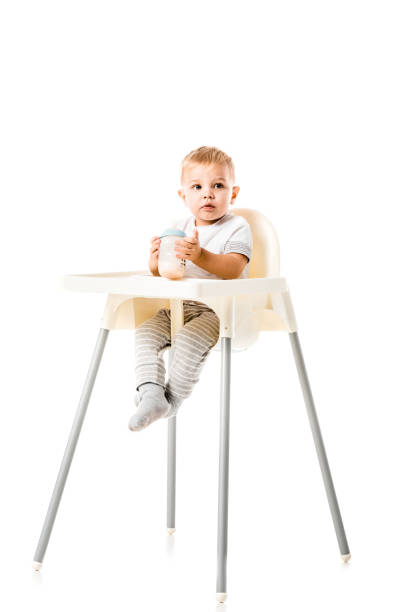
213,323
208,338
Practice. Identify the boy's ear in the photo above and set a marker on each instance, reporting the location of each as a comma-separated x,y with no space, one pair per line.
182,194
235,191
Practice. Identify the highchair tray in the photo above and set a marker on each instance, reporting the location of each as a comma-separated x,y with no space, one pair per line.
143,284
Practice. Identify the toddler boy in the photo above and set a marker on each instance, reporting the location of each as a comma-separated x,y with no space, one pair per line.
218,245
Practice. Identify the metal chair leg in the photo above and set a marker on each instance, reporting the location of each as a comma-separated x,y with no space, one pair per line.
70,449
177,322
321,453
221,588
171,474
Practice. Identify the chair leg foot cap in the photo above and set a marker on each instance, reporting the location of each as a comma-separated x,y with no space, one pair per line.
171,530
346,558
221,597
37,566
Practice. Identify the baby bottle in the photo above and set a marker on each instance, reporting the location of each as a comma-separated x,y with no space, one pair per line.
169,265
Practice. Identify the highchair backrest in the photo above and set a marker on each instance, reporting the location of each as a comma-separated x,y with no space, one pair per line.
265,253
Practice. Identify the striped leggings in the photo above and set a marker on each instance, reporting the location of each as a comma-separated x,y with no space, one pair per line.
192,344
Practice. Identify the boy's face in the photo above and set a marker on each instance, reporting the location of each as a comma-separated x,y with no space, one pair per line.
207,191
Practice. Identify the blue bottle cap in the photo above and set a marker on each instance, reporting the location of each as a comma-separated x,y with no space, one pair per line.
173,232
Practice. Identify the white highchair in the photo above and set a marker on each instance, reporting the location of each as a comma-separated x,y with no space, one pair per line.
245,307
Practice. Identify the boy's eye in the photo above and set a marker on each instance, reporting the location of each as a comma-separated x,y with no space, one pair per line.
219,185
194,186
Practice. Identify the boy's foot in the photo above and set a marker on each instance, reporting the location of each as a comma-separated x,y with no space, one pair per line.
151,405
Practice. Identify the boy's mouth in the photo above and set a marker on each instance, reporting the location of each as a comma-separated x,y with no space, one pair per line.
208,206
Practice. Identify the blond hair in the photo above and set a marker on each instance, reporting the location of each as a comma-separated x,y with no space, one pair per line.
208,156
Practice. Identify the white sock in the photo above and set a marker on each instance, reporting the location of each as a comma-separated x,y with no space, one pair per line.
151,405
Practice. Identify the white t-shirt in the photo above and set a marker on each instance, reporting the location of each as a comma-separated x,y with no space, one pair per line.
230,234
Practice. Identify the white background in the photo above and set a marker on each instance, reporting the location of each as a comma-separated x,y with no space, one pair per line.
100,102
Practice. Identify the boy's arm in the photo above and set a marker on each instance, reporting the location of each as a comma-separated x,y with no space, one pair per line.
226,266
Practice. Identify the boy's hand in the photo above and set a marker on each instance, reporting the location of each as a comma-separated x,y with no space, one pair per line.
155,247
154,256
189,248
